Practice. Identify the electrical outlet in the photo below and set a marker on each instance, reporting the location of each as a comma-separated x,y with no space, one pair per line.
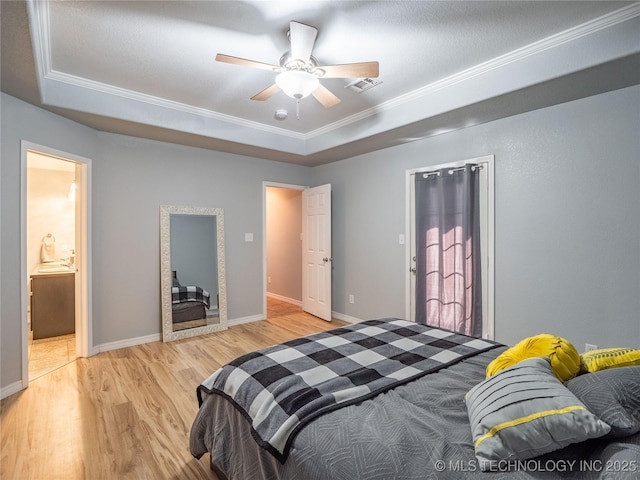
351,299
590,346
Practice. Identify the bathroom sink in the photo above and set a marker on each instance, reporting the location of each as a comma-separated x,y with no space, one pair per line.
54,269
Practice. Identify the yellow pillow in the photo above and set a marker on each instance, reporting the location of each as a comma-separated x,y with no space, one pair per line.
565,359
608,358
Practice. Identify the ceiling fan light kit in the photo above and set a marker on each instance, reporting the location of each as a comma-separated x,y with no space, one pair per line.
299,74
297,84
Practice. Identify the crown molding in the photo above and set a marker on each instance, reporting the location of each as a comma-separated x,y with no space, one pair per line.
588,28
39,26
164,103
39,19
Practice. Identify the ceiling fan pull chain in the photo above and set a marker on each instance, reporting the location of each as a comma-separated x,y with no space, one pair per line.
298,108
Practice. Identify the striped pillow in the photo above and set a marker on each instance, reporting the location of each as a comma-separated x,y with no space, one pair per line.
525,411
596,360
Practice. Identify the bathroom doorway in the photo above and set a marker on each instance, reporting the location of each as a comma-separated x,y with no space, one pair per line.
51,240
54,239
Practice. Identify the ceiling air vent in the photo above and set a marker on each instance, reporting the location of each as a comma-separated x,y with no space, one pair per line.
363,84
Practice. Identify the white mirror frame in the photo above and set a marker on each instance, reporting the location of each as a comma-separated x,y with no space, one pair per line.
168,334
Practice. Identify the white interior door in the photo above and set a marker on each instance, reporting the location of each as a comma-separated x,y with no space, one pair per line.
316,251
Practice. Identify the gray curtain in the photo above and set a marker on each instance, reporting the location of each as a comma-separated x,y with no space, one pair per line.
448,277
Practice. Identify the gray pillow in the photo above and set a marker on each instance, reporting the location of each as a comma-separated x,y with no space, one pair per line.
613,395
525,411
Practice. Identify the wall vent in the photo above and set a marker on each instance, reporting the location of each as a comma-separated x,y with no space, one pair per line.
362,85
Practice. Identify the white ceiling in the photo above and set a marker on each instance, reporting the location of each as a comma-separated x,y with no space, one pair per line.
147,68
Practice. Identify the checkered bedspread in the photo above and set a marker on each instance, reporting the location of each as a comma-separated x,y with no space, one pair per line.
189,294
281,388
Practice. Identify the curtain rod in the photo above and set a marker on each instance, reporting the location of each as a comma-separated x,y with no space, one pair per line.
451,170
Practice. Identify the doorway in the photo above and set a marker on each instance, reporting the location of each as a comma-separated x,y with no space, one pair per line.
55,262
486,218
282,249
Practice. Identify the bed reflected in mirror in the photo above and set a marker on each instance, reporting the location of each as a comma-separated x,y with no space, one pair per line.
192,271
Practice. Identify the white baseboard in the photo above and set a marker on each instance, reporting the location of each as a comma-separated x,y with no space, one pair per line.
157,337
129,342
284,299
249,319
10,389
345,318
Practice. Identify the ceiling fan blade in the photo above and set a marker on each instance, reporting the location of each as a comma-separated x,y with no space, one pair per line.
267,93
220,57
325,97
352,70
302,38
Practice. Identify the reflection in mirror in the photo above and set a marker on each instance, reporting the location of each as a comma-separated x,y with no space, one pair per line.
192,271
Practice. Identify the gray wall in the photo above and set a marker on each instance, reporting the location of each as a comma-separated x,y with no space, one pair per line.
131,178
20,121
567,232
567,220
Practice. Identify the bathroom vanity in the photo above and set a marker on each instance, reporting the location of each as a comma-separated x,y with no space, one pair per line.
52,302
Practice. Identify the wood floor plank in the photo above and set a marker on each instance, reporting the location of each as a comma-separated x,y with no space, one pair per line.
127,413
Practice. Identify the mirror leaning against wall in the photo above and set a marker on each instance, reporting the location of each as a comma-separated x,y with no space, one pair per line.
192,271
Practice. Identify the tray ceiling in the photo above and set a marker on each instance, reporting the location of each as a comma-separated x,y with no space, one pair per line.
147,68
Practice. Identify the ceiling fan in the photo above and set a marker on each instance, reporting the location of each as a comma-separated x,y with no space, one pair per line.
299,73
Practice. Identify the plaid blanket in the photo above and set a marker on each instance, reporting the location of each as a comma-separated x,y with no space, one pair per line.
189,294
281,388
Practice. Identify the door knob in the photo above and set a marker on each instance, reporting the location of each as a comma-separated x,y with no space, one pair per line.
325,259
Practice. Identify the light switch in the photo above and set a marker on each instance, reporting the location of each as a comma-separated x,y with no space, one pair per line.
248,237
401,239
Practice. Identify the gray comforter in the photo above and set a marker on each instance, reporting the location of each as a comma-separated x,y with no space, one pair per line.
280,389
416,431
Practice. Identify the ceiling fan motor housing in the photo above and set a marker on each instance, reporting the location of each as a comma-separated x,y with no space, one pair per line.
287,62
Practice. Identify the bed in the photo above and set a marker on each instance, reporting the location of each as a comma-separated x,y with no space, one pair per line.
404,418
188,302
188,311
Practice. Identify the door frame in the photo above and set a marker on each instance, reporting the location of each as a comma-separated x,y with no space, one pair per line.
488,275
84,322
265,185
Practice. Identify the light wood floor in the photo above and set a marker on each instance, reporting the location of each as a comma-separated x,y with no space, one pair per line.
48,354
126,414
